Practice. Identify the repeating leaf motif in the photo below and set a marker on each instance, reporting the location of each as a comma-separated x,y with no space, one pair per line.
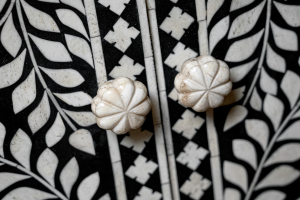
273,108
7,179
239,72
47,164
71,19
286,153
239,27
25,93
291,133
290,85
284,38
40,115
218,32
237,51
10,38
258,130
236,174
255,101
65,77
39,19
20,148
290,13
244,150
236,115
88,186
76,99
69,175
280,176
18,62
267,83
56,132
82,140
82,118
52,50
12,72
80,48
275,61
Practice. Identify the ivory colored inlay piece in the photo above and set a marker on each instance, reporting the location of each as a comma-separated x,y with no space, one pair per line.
121,105
202,83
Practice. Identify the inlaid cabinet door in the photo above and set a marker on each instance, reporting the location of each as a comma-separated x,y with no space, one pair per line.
249,147
55,54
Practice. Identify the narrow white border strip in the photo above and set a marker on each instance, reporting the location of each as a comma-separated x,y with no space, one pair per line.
215,162
100,71
163,98
212,136
153,93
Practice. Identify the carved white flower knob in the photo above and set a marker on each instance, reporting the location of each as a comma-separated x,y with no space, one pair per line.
202,83
121,105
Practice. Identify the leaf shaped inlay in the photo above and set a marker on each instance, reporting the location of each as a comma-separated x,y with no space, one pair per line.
290,13
237,51
52,50
236,174
290,85
285,154
47,164
258,130
218,32
71,19
76,99
273,108
69,175
12,72
82,140
40,115
80,48
279,177
39,19
65,77
236,115
20,148
245,22
56,132
244,150
7,179
88,186
24,94
10,37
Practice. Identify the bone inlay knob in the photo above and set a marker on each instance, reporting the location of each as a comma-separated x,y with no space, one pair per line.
202,83
121,105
